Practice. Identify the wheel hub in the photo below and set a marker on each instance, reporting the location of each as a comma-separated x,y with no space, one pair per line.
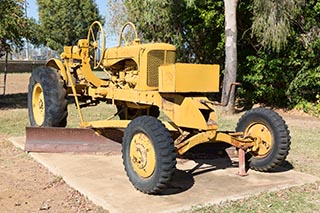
38,104
142,155
264,135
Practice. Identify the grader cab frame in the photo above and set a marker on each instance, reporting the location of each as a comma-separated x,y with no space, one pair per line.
141,80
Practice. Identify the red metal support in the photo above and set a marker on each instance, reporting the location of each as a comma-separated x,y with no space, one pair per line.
242,163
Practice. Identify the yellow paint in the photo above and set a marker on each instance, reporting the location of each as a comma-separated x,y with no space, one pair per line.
38,104
261,131
155,79
107,123
186,112
177,78
142,155
199,138
74,91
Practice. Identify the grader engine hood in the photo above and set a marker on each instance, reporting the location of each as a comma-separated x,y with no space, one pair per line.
146,57
135,52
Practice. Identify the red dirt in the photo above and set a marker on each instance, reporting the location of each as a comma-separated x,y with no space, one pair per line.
16,83
25,185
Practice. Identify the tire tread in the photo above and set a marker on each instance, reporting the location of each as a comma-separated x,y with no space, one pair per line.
281,133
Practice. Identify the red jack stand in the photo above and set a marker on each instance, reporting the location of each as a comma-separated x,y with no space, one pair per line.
242,163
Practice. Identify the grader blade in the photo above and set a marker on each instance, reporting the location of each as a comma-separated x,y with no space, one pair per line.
52,139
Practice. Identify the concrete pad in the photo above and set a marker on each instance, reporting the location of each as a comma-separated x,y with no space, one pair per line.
202,182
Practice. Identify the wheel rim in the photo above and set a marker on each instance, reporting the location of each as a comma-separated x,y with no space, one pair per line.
142,155
259,130
38,104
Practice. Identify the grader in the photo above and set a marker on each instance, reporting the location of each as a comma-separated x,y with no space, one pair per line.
142,80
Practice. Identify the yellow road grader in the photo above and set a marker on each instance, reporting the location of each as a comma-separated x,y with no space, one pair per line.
142,80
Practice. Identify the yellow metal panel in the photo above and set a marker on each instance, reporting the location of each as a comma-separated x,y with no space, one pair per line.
119,124
185,112
189,78
57,64
117,54
107,124
147,72
199,138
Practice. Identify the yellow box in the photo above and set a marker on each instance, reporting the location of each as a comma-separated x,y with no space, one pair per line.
181,77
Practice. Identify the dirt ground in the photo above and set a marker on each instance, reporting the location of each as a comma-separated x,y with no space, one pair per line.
26,186
16,83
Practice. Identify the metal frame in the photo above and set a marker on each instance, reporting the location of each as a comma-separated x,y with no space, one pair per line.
184,109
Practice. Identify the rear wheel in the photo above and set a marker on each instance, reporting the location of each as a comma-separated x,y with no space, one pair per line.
274,134
47,103
149,155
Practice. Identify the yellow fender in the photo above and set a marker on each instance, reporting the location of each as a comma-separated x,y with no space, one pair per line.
58,65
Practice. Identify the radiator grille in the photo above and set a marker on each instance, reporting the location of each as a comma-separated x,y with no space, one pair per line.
155,59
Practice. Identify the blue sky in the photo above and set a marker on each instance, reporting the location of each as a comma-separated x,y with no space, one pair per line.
32,8
32,11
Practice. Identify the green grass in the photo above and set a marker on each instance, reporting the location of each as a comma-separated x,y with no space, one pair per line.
13,121
305,150
296,199
304,156
99,112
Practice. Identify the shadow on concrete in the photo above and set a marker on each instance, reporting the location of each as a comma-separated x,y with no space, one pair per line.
14,101
284,167
210,157
181,181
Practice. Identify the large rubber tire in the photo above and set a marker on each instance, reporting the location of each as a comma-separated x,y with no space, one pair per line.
273,131
149,155
47,102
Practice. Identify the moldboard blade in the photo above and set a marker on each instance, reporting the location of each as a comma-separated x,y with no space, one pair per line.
54,139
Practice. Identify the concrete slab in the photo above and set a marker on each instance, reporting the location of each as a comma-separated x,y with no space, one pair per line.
201,182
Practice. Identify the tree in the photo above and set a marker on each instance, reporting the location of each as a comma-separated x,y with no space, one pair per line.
193,27
34,32
271,25
12,28
64,22
12,25
272,21
231,62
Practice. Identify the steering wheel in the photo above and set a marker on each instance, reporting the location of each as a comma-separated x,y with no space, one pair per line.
96,43
128,35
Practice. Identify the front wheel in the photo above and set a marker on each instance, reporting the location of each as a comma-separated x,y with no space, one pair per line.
274,134
47,103
149,155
